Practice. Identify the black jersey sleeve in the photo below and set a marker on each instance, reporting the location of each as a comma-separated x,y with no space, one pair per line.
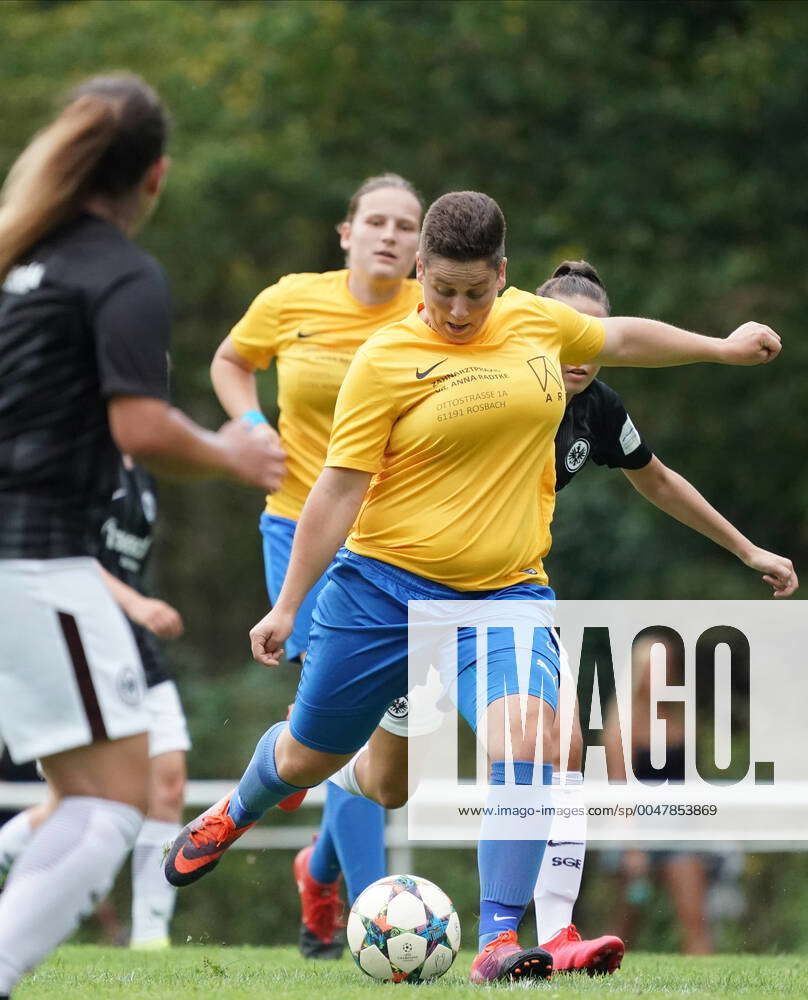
131,324
617,442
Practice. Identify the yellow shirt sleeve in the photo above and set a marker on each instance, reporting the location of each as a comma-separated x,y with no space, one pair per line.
363,418
582,337
256,333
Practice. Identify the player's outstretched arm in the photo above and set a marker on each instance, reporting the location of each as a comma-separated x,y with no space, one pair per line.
674,495
150,612
234,383
326,519
647,343
163,439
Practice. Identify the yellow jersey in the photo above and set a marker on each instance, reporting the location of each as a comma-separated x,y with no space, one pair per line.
459,438
312,325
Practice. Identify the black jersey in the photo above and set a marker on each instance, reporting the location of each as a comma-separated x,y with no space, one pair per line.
84,316
596,425
124,544
126,532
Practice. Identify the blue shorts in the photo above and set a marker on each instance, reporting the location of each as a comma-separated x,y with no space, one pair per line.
277,533
357,655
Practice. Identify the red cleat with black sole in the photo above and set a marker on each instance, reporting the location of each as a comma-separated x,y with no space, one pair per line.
200,845
504,960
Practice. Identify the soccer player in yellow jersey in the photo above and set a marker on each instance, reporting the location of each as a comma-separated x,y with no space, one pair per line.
310,325
442,430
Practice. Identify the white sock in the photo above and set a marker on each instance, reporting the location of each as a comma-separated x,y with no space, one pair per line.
153,898
345,778
67,868
559,880
15,835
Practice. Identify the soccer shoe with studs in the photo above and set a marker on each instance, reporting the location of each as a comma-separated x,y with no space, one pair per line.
321,929
201,843
504,959
571,953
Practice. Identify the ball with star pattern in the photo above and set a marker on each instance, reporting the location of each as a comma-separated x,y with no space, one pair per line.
403,928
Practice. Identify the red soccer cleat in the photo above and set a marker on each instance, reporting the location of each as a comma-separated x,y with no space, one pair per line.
321,925
503,959
201,843
571,953
293,801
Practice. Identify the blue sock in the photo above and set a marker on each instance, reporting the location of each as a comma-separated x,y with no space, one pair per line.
261,787
324,864
508,868
356,826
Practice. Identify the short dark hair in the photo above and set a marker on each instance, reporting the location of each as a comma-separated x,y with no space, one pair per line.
575,277
464,225
377,183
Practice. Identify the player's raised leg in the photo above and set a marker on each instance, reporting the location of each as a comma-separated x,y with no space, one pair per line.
201,843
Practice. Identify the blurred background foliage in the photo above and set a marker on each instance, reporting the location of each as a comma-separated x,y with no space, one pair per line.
665,142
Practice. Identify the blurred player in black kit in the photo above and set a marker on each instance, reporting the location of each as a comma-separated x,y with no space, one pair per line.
124,545
84,325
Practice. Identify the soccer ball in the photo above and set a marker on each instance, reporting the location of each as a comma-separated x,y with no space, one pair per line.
403,928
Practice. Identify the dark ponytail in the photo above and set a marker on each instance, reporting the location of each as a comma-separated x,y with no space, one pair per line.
103,142
575,277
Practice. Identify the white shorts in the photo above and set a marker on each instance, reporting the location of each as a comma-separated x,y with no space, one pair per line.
426,712
395,718
168,729
70,672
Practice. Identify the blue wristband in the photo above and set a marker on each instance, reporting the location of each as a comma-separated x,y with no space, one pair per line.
253,417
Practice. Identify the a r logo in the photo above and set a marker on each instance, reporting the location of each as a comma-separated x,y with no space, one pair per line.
545,372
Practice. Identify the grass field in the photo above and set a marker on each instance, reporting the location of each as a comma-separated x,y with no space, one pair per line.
251,973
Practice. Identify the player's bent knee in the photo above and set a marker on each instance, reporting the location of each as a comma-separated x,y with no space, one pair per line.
303,766
391,797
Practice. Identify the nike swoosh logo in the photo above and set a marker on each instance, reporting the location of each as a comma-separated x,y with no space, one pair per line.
563,843
314,333
497,917
186,864
424,374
